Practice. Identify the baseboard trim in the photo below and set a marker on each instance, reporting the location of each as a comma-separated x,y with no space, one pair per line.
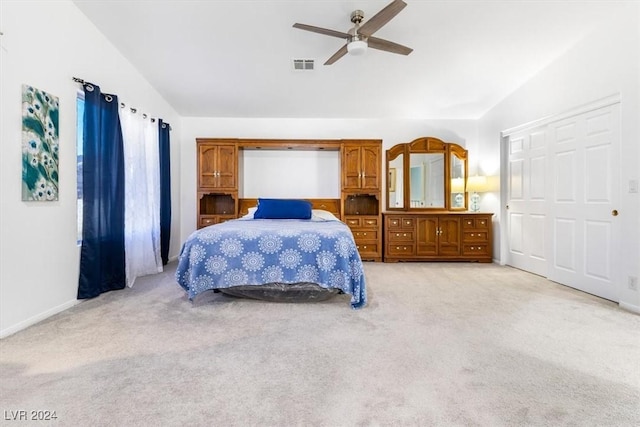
629,307
37,318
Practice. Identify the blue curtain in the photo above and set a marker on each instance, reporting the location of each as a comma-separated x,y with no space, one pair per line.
165,190
102,258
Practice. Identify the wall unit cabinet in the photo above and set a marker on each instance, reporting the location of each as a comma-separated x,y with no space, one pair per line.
217,181
215,208
361,190
217,165
361,165
441,236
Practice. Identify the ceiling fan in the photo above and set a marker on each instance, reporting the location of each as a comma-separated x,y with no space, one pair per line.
361,36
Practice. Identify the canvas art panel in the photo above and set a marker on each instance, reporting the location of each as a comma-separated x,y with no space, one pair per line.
39,145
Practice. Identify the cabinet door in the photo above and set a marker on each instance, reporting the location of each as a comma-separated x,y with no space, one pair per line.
370,166
361,165
207,165
227,166
351,167
427,236
449,235
217,166
438,235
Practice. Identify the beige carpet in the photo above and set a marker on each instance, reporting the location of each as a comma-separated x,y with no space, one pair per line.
438,345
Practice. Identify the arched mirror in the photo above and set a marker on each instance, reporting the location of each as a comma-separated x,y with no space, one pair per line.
458,176
426,174
395,175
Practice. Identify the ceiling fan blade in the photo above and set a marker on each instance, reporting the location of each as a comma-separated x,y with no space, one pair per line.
339,54
379,19
381,44
319,30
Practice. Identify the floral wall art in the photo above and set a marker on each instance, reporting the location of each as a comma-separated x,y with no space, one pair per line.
39,145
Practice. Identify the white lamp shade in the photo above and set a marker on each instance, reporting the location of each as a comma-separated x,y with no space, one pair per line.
357,47
477,184
457,185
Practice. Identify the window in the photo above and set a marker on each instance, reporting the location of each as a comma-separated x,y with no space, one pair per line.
79,148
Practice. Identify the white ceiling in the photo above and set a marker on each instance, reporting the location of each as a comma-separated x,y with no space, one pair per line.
214,58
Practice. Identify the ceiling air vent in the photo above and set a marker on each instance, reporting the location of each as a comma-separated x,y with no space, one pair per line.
303,64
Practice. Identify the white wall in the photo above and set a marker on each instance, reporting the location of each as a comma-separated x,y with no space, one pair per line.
463,132
45,44
607,62
286,174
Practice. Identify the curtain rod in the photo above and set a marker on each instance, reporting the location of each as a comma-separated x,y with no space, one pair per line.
133,110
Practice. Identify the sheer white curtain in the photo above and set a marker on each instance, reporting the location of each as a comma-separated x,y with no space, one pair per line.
142,195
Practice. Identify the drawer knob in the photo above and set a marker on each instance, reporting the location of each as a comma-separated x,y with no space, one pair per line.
369,222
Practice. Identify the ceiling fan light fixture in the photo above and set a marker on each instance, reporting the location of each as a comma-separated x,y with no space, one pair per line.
357,47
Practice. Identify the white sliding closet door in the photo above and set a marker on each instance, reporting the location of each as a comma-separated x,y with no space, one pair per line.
584,232
526,200
562,192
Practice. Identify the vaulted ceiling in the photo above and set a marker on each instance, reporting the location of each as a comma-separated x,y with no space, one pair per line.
213,58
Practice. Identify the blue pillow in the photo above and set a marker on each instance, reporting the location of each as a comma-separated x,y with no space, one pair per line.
283,209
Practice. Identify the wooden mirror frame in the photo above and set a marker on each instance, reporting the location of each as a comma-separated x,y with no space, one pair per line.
427,145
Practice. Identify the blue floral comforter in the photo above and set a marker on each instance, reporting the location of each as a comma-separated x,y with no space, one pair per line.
261,251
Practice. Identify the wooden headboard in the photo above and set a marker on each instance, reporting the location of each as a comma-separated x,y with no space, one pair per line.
330,205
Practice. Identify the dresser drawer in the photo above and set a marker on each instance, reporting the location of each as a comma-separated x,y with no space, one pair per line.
362,222
400,249
475,236
473,222
364,234
475,249
395,223
400,236
366,248
205,221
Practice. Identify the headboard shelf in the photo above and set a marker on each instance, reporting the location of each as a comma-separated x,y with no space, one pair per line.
289,144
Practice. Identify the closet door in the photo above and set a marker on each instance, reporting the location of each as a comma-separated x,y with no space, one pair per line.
584,231
526,200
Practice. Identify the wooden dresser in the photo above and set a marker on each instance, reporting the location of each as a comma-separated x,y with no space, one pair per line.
437,236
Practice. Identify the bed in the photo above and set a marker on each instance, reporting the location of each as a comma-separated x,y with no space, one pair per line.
283,253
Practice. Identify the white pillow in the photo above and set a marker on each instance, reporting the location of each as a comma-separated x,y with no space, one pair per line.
249,215
322,215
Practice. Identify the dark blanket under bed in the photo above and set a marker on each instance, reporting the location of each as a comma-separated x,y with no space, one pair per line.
281,292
